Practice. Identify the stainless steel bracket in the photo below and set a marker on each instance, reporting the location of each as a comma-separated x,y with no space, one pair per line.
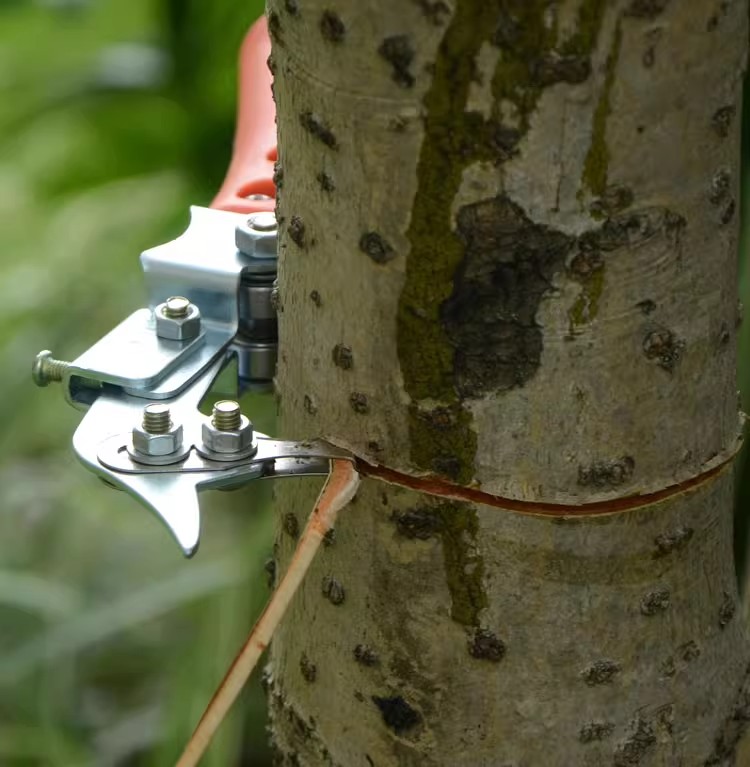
205,266
171,491
220,275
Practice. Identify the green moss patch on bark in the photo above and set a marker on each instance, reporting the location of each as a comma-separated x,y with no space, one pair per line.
589,23
443,441
464,567
596,164
451,141
425,353
527,34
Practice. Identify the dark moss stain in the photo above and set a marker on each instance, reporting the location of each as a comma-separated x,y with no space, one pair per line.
278,175
676,539
508,265
435,11
727,610
316,126
292,7
484,645
607,473
635,748
454,139
457,525
332,27
397,714
330,537
596,164
600,672
342,357
376,247
398,51
296,231
309,404
589,23
425,352
615,199
554,67
464,566
315,298
646,9
531,60
419,523
359,403
326,182
595,731
443,441
722,119
308,669
656,601
291,525
333,590
663,346
365,655
647,306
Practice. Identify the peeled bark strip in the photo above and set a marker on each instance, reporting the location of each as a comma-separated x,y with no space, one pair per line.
508,260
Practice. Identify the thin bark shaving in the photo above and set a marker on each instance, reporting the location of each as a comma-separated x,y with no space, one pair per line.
508,261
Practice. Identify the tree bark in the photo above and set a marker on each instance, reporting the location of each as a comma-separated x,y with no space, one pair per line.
508,263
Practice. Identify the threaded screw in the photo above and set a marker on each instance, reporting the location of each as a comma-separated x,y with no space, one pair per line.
227,415
176,307
156,419
47,369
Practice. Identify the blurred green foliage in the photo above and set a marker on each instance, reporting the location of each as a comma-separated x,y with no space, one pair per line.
115,116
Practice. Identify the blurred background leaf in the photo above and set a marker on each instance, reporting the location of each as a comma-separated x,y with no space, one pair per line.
115,116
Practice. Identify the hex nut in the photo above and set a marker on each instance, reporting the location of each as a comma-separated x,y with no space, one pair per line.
228,442
256,237
178,328
157,444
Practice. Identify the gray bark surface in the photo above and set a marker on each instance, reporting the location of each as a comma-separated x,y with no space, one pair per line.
508,261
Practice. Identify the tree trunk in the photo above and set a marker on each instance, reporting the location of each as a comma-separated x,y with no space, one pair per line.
508,263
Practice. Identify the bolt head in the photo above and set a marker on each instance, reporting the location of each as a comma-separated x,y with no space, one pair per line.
177,328
38,372
157,444
228,442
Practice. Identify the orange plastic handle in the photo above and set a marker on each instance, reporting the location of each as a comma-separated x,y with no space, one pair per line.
248,186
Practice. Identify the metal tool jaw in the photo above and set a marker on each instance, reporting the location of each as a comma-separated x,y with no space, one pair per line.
141,385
